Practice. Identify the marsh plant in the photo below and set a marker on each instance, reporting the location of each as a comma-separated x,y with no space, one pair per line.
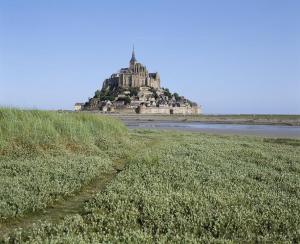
175,187
47,155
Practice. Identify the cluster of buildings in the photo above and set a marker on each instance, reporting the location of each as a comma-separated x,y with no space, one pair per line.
135,90
136,75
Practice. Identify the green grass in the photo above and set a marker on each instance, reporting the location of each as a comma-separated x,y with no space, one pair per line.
285,141
48,155
30,133
176,187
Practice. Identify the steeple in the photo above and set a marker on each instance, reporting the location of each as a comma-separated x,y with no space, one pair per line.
133,59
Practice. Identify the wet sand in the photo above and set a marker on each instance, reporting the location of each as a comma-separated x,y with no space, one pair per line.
278,126
278,131
289,120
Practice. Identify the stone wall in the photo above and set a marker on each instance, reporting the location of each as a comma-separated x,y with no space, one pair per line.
169,110
125,111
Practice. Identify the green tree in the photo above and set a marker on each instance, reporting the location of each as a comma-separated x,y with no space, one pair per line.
167,93
126,100
107,97
177,98
133,91
97,94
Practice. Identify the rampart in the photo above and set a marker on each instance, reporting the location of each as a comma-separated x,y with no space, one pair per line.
169,110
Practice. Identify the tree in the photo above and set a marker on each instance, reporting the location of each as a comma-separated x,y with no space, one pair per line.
97,94
133,91
108,97
167,93
177,98
126,100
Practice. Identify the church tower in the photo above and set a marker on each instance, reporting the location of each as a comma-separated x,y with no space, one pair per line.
133,59
136,75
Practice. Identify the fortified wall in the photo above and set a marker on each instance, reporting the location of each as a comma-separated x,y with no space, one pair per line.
168,110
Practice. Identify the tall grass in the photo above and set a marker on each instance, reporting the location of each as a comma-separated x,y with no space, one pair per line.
181,188
34,132
192,188
47,155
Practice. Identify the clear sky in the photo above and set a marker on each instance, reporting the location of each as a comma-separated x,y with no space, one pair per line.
230,56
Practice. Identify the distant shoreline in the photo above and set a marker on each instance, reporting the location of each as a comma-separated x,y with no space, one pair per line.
286,120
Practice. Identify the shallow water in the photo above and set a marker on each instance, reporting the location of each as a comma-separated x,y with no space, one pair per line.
240,129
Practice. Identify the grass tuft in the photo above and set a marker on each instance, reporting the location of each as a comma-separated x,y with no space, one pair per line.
35,132
48,155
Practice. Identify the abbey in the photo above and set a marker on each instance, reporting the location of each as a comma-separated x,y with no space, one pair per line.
136,75
135,90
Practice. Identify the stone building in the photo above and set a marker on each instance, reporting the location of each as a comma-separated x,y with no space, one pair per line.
134,89
136,75
78,106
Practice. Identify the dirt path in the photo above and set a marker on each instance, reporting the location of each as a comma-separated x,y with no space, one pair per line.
64,207
73,204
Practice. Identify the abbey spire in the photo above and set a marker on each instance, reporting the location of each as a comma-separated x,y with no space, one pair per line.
133,59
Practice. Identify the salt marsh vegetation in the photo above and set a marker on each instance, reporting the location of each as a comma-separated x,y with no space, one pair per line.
174,187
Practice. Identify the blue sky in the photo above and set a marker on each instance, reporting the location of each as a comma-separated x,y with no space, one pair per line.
230,56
